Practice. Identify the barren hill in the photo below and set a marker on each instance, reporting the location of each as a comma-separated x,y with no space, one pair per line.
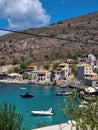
65,39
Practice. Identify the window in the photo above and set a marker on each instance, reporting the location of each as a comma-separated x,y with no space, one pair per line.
96,82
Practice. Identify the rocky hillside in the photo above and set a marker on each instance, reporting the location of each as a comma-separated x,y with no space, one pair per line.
67,38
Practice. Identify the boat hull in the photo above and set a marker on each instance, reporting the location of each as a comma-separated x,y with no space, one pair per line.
63,94
26,95
42,113
22,88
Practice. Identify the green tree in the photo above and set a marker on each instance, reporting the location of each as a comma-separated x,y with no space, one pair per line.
47,66
16,69
23,65
74,68
75,58
9,120
27,76
22,58
55,65
86,118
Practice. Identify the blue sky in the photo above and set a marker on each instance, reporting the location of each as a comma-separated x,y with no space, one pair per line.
23,14
64,9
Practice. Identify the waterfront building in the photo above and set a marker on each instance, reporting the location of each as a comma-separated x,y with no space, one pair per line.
84,70
55,75
92,81
30,68
41,76
82,60
91,58
97,64
92,61
15,76
61,73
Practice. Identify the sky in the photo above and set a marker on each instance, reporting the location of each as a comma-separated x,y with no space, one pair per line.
24,14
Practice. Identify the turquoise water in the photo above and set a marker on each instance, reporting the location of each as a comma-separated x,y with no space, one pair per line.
45,97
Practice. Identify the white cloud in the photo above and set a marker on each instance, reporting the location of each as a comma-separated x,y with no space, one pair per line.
23,13
3,32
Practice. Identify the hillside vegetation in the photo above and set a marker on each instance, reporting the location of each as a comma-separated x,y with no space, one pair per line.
67,38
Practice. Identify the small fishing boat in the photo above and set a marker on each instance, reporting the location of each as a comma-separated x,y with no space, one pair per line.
43,112
27,95
89,97
63,93
22,88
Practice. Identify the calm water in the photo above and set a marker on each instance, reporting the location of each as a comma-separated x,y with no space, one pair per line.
45,97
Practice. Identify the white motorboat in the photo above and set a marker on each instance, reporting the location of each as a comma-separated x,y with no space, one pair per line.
22,88
43,113
63,93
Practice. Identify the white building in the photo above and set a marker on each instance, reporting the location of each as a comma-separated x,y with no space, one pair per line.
91,57
41,76
92,81
15,76
97,64
85,70
61,73
92,61
55,75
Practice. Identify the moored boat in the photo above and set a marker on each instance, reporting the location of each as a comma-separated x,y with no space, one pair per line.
63,93
22,88
88,93
43,112
89,97
27,95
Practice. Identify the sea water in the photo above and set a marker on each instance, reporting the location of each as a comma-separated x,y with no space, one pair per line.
44,98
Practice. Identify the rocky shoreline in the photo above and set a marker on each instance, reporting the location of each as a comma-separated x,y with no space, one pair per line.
71,84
